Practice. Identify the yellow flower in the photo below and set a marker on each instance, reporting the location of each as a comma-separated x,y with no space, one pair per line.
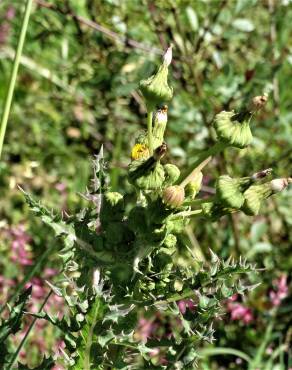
139,151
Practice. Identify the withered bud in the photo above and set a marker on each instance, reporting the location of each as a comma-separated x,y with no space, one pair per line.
173,196
160,152
258,102
262,174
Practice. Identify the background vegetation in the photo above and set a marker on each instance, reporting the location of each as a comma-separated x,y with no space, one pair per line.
77,89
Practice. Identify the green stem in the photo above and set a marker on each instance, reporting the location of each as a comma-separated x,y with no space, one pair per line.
21,344
264,343
198,202
9,96
149,129
224,351
215,149
116,157
195,171
186,214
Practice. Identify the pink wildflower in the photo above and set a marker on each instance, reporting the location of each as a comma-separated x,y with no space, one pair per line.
146,328
19,246
61,187
50,272
10,13
281,292
239,312
184,304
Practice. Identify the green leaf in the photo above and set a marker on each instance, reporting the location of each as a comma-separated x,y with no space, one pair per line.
192,18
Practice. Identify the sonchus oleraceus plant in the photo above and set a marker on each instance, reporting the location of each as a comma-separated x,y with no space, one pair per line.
118,258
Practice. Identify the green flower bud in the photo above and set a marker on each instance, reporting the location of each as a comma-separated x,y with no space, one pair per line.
173,196
257,193
170,243
155,89
114,198
233,129
172,174
193,187
160,122
112,207
152,180
230,191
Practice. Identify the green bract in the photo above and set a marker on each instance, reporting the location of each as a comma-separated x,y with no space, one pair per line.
232,130
253,198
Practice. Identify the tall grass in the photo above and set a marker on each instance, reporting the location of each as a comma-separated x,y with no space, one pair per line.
13,76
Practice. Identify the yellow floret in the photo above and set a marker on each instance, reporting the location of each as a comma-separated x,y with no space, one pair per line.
139,151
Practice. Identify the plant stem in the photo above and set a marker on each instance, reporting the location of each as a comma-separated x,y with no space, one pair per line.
224,351
215,149
198,202
21,344
149,129
186,214
9,96
195,171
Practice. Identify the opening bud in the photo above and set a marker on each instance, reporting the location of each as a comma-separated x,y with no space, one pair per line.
278,185
173,196
160,121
